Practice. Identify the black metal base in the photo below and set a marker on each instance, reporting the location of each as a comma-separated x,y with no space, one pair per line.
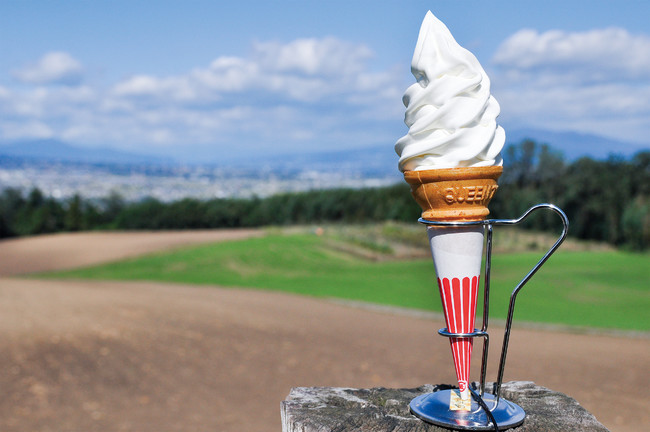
434,408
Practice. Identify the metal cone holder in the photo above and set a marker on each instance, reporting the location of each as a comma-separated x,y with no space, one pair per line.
489,411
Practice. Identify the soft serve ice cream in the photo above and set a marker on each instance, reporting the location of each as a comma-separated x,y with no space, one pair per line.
451,157
449,110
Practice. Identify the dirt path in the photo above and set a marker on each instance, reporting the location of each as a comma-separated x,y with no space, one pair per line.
108,356
70,250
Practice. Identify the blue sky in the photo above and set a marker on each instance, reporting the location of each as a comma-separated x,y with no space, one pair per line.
199,79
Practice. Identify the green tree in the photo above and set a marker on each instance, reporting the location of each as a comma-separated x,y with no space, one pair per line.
636,224
111,207
11,204
48,218
74,219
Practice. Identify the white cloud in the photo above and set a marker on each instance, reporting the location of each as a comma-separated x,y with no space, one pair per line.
138,85
305,70
177,88
227,74
19,130
53,68
42,102
324,57
595,81
281,97
596,55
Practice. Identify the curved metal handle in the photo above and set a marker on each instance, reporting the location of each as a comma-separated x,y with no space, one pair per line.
513,295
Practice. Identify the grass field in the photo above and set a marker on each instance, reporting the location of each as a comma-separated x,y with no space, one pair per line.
604,289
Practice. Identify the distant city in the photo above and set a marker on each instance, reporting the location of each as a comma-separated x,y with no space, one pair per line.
135,178
133,183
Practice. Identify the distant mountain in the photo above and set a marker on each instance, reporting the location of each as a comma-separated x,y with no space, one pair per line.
574,144
374,161
58,151
382,158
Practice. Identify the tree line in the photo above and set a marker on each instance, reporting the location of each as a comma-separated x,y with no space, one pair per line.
606,200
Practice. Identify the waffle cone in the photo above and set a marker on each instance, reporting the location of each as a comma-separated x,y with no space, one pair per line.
454,194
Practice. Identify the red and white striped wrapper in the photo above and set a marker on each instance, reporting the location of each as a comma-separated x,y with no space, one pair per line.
457,253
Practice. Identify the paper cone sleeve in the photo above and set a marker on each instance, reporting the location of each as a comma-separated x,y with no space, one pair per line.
457,253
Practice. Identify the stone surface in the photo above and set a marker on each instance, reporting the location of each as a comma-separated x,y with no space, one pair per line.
330,409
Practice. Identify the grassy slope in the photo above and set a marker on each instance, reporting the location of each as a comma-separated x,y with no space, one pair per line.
606,289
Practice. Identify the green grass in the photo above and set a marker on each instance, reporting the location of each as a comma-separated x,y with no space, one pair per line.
604,289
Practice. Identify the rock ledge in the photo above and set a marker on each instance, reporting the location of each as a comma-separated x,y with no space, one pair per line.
330,409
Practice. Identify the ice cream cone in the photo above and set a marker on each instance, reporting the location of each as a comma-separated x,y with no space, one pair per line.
456,194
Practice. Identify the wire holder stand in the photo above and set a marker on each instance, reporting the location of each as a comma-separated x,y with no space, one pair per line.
488,411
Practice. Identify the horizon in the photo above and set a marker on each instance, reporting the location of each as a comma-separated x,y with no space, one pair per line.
581,145
251,78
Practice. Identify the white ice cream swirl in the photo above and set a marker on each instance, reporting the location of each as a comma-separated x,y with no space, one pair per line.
449,110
